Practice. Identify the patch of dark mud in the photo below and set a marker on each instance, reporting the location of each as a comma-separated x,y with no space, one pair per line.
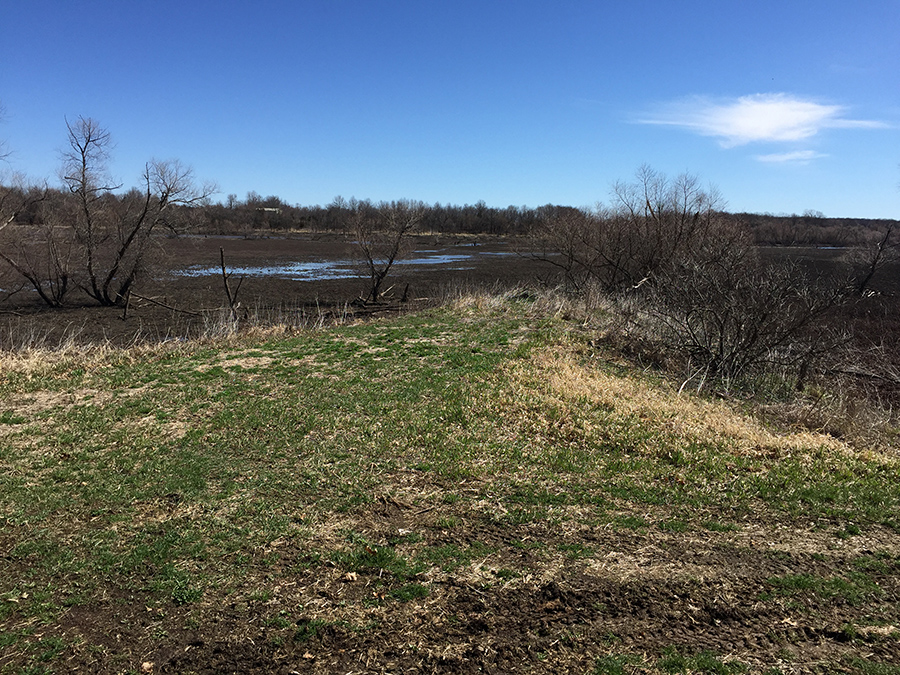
727,605
167,305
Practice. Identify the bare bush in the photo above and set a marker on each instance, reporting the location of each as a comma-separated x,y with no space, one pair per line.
381,233
651,224
691,281
564,238
729,316
40,256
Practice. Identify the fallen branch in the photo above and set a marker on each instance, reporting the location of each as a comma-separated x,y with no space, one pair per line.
161,304
865,375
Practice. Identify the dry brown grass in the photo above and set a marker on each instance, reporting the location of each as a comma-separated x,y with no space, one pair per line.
684,415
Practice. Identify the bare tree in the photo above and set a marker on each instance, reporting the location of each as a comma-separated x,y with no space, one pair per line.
85,174
39,252
651,223
113,234
868,260
656,222
381,232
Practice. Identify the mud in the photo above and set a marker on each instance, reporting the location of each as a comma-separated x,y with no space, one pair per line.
169,304
637,597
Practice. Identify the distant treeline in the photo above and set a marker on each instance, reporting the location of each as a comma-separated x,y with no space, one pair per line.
271,213
812,229
257,214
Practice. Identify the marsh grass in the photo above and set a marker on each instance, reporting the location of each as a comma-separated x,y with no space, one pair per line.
188,473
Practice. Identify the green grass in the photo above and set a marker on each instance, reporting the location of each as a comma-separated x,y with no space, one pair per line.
853,588
706,662
450,557
879,562
576,550
199,472
371,559
410,592
673,526
308,629
616,664
867,667
630,522
672,661
9,417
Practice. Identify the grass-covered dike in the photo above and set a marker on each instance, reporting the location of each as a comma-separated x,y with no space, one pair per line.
473,488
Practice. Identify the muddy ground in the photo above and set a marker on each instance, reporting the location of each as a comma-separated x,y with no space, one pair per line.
639,597
170,305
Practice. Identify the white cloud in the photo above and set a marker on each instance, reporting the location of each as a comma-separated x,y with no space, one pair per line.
759,117
797,157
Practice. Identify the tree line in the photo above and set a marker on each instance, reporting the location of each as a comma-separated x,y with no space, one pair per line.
812,228
256,214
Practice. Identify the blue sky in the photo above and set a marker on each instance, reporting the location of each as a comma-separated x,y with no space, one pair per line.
783,106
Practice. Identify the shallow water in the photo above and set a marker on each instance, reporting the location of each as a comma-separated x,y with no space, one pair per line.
298,271
321,270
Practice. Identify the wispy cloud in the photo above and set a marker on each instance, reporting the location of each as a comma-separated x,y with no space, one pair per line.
797,157
759,117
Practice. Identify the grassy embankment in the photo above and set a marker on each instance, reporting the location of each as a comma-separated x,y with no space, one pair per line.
470,487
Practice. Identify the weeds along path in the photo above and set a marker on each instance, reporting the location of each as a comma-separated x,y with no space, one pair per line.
468,489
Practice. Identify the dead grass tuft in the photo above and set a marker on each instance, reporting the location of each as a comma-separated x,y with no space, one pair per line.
683,415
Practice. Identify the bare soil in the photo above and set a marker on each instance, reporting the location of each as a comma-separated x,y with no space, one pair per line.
640,593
